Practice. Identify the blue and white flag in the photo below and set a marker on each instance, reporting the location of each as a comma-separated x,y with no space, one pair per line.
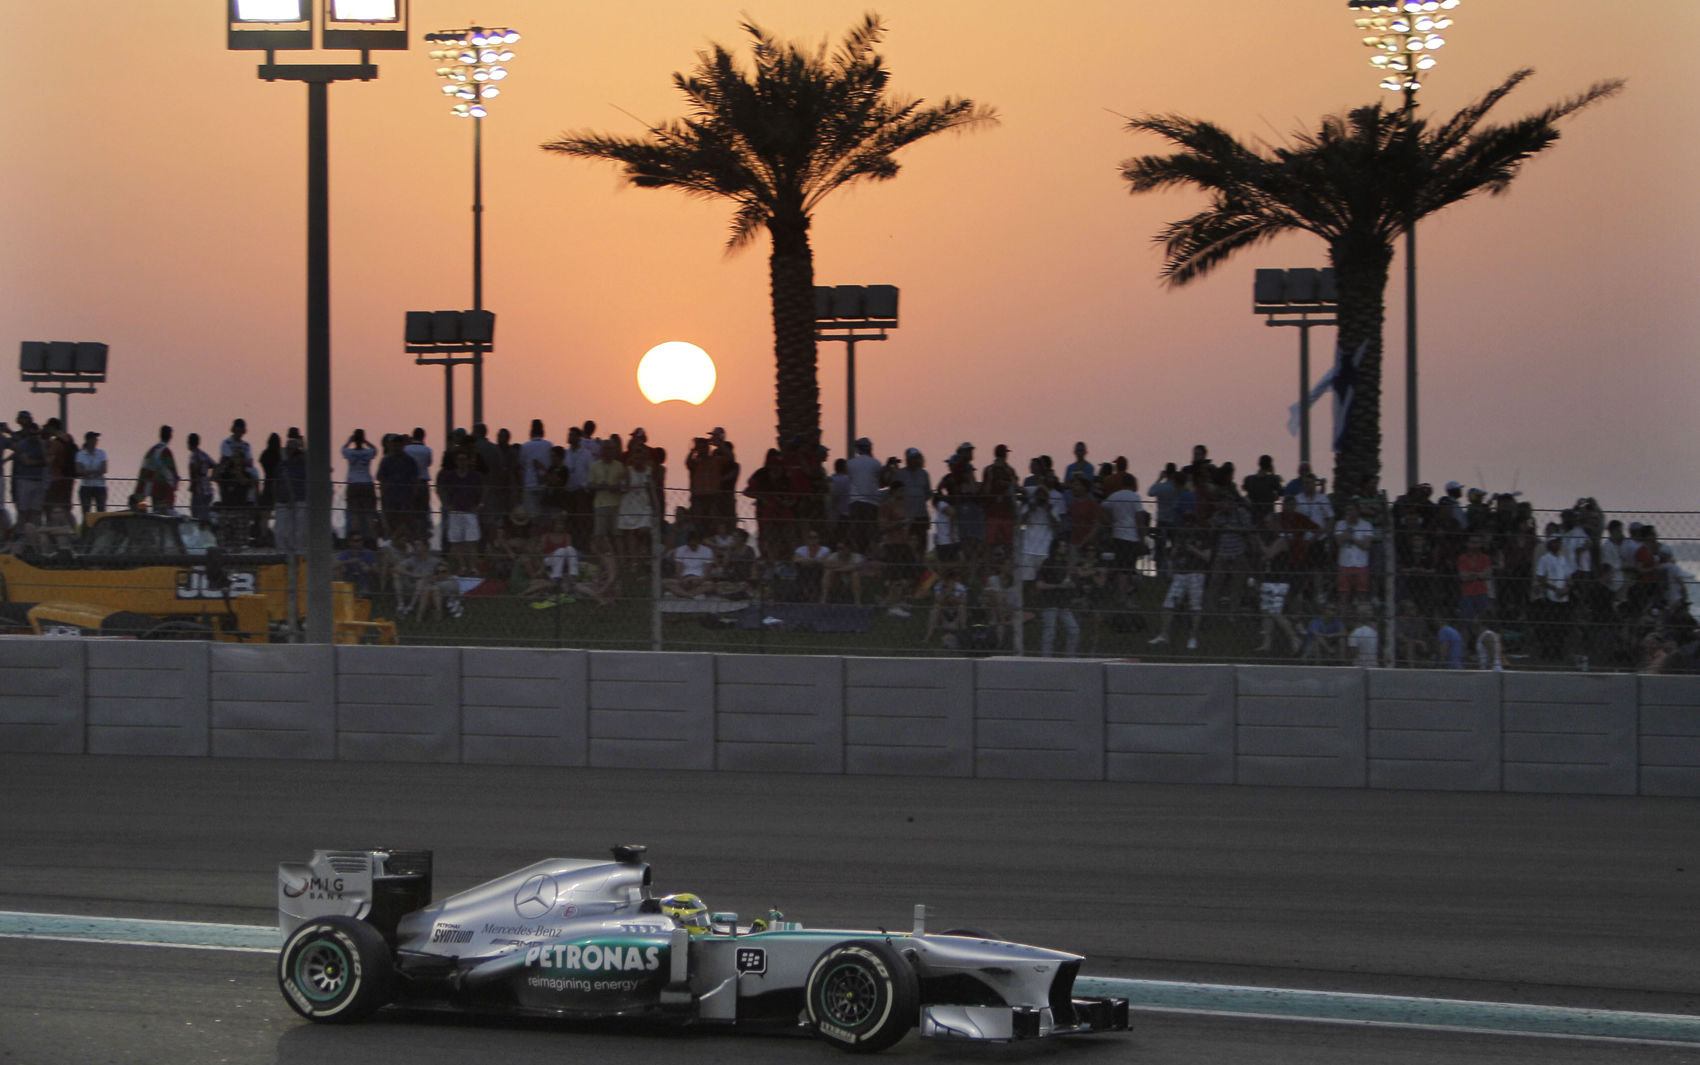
1344,379
1323,387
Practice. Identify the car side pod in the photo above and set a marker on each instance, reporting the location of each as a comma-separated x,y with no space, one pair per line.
676,996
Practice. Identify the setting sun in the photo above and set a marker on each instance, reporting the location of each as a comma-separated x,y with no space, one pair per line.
676,370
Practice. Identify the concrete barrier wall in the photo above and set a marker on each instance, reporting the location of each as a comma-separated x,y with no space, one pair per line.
779,713
1301,726
42,683
1670,735
147,697
909,716
1434,729
1570,732
524,707
1173,724
272,702
398,704
1001,718
651,710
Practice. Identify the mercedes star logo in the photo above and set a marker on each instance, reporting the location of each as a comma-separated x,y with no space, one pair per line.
535,897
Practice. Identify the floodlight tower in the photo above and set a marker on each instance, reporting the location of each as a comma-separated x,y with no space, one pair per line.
471,62
1405,35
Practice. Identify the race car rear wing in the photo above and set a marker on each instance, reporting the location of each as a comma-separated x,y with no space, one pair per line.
376,886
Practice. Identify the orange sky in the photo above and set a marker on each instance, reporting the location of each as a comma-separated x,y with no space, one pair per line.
155,188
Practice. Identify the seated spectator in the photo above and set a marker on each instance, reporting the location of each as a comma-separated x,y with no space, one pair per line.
692,561
356,564
737,568
1323,636
949,612
1365,641
603,585
415,580
809,558
1411,633
847,566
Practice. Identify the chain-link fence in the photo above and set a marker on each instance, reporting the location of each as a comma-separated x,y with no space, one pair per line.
634,565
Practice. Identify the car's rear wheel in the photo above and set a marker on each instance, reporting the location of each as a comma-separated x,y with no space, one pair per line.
862,997
335,970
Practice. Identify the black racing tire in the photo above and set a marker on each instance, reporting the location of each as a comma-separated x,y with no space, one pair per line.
971,933
862,997
335,970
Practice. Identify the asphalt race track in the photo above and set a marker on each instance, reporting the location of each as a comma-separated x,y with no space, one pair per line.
1562,900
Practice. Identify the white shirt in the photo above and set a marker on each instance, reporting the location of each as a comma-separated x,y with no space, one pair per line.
944,523
1365,642
239,448
1488,654
1557,570
1354,553
1574,545
88,461
577,460
359,463
1124,508
864,471
1037,533
421,456
1611,555
820,552
533,453
693,561
1315,507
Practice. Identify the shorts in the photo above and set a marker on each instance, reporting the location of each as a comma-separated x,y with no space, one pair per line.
28,494
607,520
1353,579
949,552
1188,585
1128,552
1029,568
463,527
1471,607
1273,597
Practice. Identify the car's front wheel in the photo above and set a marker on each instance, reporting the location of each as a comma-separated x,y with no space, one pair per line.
335,970
862,997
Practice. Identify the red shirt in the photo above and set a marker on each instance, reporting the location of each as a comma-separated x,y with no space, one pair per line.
1475,562
1084,514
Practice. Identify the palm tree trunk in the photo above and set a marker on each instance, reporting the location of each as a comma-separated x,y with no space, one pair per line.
791,270
1360,272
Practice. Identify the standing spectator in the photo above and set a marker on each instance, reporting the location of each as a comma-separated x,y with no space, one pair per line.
1576,545
29,471
361,492
578,460
864,472
158,480
639,508
240,483
1612,561
271,459
607,481
1080,467
398,477
1085,518
1201,469
901,561
290,526
917,489
1262,490
1231,567
1191,561
945,545
62,473
838,502
1475,570
707,467
1313,503
965,492
998,487
1364,642
1125,511
1552,579
1054,592
1038,532
533,460
1352,539
462,492
490,459
200,480
1281,552
420,453
1164,493
91,467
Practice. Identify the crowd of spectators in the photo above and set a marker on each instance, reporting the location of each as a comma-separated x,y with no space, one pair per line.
1474,579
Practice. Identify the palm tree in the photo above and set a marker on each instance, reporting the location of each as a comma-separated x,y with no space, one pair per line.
1358,182
776,140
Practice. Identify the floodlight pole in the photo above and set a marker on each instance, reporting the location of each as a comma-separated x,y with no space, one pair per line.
851,337
320,537
477,268
1410,324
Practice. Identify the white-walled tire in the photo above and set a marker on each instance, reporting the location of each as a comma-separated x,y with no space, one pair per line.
335,970
862,997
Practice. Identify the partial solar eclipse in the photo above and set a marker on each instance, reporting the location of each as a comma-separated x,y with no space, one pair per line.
676,370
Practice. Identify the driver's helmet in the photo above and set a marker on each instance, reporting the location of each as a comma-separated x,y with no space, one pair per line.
688,911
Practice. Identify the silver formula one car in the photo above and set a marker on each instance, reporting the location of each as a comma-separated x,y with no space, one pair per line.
588,939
